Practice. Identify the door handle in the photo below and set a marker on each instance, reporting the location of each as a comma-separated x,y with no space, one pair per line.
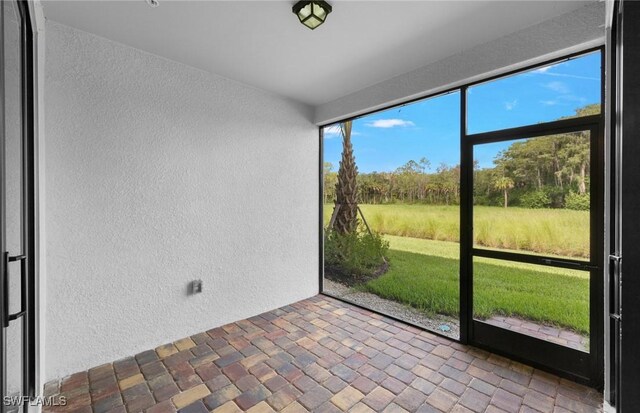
8,318
616,271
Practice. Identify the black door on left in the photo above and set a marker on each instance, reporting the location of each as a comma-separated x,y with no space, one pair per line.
16,208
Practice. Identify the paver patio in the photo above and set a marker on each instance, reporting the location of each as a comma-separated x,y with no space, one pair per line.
544,332
320,355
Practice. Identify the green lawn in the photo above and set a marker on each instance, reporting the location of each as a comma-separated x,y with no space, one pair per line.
424,275
558,232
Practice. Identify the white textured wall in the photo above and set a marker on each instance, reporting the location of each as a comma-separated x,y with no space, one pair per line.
570,32
158,174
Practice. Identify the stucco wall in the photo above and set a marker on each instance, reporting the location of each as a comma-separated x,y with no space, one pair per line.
568,33
158,174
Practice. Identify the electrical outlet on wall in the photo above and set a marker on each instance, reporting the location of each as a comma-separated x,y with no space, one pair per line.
196,286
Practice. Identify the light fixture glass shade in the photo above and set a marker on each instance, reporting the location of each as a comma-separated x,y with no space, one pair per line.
312,22
305,12
312,13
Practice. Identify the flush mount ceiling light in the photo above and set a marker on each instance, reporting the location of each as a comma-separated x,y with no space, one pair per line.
312,13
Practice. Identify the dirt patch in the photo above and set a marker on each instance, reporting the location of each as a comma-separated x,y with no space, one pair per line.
336,274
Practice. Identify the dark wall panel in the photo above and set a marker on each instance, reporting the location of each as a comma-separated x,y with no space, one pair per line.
630,363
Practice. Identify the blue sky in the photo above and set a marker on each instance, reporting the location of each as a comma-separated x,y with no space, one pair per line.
431,128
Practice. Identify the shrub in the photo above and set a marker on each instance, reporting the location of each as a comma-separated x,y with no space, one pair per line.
357,255
535,199
556,196
577,202
493,199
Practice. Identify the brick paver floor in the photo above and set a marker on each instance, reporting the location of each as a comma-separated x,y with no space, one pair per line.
318,355
552,334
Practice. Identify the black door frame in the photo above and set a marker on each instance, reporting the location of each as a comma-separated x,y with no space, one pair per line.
612,281
580,366
27,258
626,128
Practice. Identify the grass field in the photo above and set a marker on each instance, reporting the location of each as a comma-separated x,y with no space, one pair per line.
546,231
424,275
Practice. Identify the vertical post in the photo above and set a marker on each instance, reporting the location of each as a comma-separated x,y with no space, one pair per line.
466,222
28,204
608,58
321,213
3,245
612,208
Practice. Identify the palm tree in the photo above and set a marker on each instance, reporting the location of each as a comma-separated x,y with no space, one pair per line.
504,184
346,219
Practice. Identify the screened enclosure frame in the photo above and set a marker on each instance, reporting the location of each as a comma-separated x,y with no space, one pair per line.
586,368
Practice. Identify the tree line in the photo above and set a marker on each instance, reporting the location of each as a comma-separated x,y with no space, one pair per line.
410,183
542,172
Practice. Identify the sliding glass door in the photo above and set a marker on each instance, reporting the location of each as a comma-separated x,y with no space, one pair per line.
17,344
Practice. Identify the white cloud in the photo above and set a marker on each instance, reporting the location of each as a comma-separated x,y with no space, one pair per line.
333,131
545,71
542,69
511,105
390,123
573,98
556,86
549,102
573,76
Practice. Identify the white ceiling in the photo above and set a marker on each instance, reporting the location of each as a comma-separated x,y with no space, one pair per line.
261,43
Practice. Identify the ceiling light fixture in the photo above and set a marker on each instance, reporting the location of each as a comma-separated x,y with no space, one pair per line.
312,13
153,3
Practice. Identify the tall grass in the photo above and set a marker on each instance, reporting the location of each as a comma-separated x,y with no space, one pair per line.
546,231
